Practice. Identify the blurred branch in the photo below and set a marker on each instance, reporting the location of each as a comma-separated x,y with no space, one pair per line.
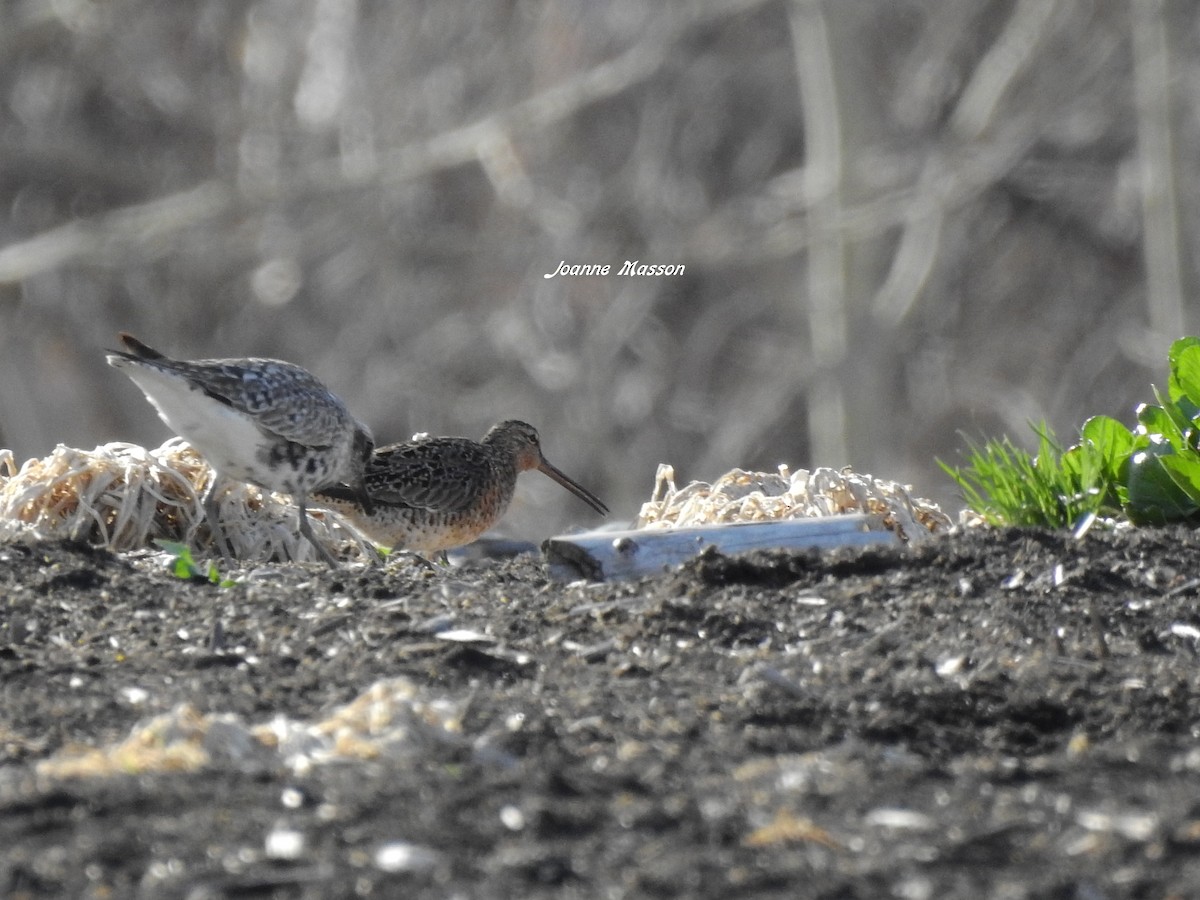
1007,59
139,225
1160,213
826,272
916,254
986,150
158,220
926,79
774,232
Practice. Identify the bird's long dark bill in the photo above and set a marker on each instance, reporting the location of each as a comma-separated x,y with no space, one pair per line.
574,487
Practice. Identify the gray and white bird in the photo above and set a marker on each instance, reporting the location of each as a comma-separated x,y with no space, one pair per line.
262,421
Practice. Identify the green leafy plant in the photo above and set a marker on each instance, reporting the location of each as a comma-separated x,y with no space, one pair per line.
184,565
1007,485
1164,467
1150,474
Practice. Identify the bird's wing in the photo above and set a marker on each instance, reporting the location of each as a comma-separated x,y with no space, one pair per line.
284,400
446,474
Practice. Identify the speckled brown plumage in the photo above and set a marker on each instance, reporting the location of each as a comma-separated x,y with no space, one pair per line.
436,493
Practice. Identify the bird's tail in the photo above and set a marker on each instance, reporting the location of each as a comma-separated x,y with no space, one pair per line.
137,349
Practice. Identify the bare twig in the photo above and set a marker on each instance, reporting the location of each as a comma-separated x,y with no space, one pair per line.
1160,212
1005,60
1010,56
958,178
826,275
151,223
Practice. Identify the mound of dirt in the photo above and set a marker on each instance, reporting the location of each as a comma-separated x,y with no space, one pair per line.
991,714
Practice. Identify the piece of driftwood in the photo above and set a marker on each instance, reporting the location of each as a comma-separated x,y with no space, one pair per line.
613,555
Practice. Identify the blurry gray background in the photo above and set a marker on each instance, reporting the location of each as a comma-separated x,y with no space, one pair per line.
899,219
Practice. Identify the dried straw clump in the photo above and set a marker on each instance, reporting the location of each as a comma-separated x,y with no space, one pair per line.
390,719
741,496
124,496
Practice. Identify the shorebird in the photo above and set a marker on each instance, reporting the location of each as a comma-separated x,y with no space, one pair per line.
433,494
264,421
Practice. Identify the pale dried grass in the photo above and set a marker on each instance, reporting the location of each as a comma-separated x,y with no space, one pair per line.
741,496
387,720
124,497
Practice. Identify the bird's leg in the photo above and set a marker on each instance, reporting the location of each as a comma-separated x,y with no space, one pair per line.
417,558
306,530
212,514
365,545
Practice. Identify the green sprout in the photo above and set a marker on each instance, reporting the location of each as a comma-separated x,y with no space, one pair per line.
1055,488
184,565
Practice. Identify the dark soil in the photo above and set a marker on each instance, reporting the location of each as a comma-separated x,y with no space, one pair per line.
998,714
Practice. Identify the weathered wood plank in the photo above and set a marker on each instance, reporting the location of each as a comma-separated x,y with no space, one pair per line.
613,555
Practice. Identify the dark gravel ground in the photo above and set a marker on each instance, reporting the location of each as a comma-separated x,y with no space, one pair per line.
998,714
